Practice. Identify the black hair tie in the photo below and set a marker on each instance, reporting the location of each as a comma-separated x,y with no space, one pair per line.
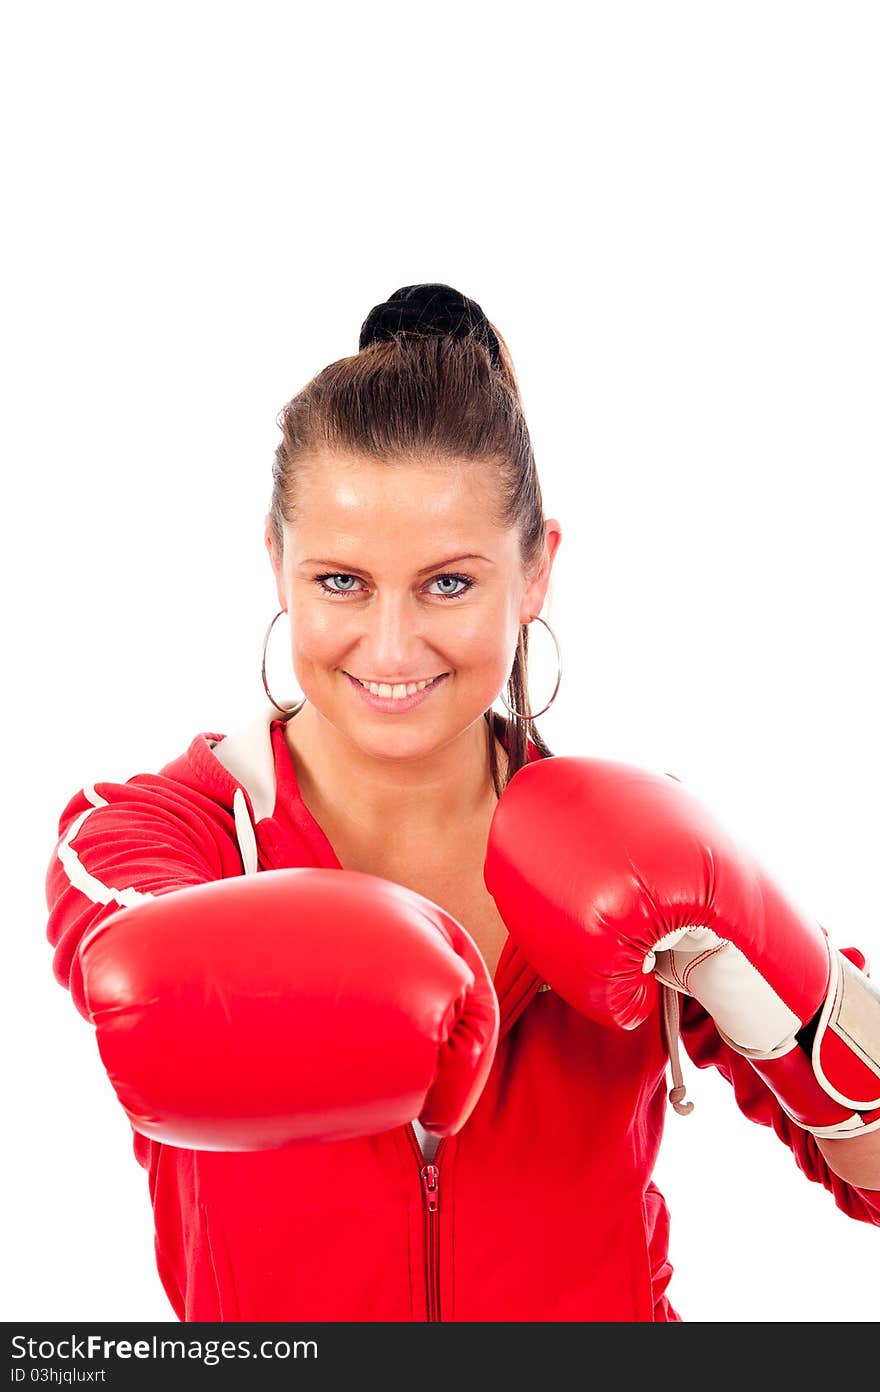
430,308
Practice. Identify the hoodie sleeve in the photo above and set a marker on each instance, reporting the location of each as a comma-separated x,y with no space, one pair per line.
120,842
706,1048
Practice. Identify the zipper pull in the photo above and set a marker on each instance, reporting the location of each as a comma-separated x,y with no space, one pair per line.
430,1180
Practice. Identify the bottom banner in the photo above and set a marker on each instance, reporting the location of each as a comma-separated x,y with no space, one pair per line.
281,1354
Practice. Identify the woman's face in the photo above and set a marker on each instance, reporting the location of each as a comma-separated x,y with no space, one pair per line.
397,574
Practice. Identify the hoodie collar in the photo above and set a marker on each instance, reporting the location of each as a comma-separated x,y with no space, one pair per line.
248,756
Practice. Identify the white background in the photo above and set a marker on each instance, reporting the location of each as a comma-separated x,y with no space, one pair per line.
671,212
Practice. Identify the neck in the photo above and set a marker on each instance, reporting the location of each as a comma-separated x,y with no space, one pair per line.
425,796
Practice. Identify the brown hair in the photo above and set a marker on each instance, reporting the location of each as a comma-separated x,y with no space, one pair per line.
418,395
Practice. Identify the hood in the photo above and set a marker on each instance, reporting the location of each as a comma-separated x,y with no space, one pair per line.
249,759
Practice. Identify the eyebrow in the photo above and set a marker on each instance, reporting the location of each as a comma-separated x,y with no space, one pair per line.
342,568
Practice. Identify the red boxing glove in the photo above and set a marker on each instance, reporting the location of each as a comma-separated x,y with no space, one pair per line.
612,878
291,1005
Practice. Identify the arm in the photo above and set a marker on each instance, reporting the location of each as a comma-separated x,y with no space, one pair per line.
121,843
707,1049
615,881
856,1160
251,1012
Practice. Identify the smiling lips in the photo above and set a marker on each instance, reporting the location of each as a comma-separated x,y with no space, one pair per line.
397,688
402,694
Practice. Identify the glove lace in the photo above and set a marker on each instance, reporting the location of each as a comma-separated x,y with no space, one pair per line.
671,1019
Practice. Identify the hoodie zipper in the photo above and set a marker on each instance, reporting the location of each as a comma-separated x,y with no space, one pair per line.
430,1177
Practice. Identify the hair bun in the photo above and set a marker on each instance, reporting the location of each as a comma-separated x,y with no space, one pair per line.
429,308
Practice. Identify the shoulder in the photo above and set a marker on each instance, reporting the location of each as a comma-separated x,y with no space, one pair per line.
197,787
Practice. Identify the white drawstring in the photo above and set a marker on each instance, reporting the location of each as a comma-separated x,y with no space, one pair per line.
244,829
671,1023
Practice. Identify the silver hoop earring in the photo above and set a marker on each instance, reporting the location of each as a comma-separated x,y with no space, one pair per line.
285,710
518,715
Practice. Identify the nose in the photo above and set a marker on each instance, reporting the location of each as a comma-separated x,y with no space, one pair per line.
394,643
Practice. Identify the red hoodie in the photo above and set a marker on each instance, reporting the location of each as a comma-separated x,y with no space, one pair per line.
541,1208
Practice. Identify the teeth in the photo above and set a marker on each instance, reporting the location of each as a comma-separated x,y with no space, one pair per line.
396,693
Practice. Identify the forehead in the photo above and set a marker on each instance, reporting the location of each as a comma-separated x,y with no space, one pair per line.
409,504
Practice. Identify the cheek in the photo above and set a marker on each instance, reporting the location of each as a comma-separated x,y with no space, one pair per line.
317,633
489,632
478,644
482,647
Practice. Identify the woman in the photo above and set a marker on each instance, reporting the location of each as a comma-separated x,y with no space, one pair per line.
387,992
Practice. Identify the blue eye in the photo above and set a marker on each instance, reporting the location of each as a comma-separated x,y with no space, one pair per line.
465,580
459,580
319,580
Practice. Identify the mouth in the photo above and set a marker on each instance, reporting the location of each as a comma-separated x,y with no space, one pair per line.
396,700
396,690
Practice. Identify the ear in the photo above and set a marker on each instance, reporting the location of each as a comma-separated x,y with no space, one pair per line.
536,590
275,558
